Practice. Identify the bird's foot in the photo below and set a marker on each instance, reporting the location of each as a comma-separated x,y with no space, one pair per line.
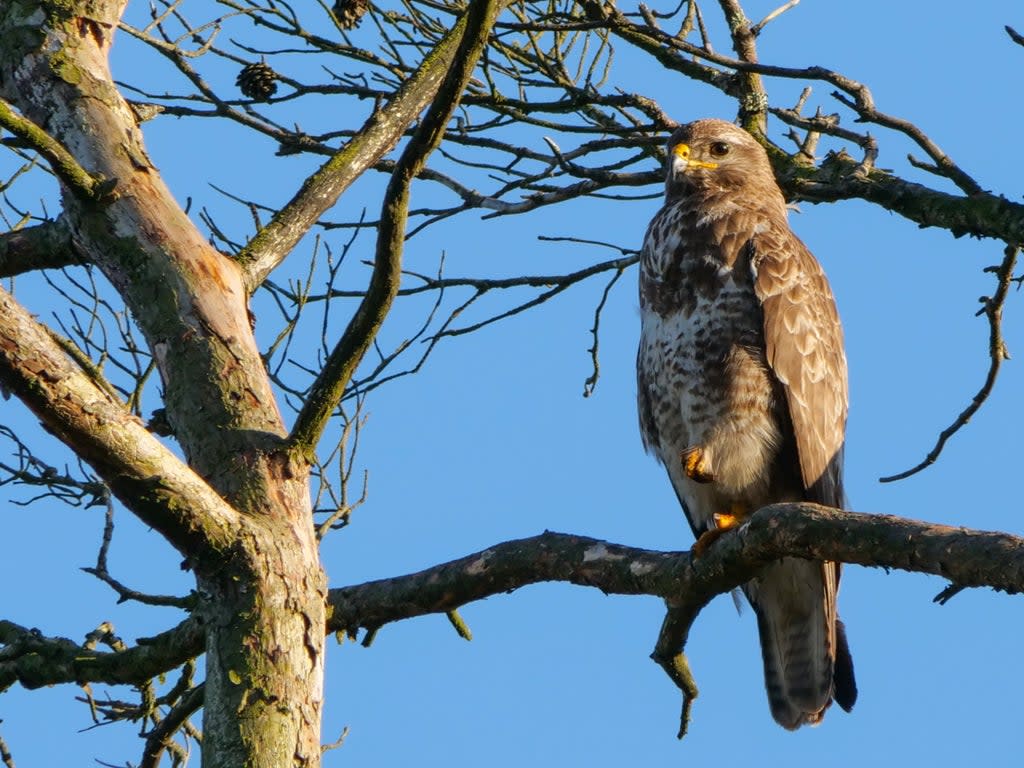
697,465
725,521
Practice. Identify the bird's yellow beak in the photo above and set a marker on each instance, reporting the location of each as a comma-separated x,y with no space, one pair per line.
682,151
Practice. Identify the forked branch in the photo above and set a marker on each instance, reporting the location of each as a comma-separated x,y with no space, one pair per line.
378,136
967,558
145,475
330,384
992,308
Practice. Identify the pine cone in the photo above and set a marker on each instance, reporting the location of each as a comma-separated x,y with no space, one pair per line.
257,81
350,12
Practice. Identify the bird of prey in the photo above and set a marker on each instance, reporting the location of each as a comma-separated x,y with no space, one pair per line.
742,394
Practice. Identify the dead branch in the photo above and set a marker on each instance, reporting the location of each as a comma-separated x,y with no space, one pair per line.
147,477
329,388
992,308
33,660
43,246
966,557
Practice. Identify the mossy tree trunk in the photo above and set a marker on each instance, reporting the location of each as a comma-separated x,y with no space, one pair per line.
260,584
238,509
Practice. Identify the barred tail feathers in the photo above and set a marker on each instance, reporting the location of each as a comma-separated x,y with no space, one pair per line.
795,603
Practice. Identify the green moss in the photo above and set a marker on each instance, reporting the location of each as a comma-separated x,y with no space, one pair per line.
61,11
65,68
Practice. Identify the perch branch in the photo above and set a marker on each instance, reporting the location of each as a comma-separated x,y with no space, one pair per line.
967,558
963,556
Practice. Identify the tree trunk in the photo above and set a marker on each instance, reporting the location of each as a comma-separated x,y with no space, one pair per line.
262,589
265,618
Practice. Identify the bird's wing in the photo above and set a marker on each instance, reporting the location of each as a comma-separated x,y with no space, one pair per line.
804,348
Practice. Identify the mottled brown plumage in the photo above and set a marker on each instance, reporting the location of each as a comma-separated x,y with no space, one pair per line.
741,384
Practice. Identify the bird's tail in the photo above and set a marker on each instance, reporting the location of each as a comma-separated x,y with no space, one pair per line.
806,659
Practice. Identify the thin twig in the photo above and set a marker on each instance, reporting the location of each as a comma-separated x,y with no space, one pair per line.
756,29
591,383
160,738
997,352
330,385
340,741
670,656
124,593
5,753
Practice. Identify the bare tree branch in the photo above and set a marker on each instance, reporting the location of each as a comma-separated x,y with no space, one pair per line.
965,557
124,593
981,215
997,352
380,133
757,28
330,385
968,558
44,246
147,477
33,660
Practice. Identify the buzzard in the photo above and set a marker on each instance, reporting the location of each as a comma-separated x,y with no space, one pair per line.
741,385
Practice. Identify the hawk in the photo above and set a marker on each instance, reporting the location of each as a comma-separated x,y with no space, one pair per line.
742,394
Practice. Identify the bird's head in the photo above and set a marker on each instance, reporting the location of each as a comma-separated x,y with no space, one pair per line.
713,155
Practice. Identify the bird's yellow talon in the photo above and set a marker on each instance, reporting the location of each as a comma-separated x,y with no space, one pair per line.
697,466
725,522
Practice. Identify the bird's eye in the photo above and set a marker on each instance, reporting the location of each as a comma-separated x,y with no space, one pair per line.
719,149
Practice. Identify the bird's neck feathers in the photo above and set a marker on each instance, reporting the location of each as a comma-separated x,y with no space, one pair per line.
714,198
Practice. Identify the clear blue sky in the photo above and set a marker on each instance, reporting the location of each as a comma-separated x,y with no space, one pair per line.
493,441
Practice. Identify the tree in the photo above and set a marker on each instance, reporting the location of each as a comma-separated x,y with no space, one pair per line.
202,453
